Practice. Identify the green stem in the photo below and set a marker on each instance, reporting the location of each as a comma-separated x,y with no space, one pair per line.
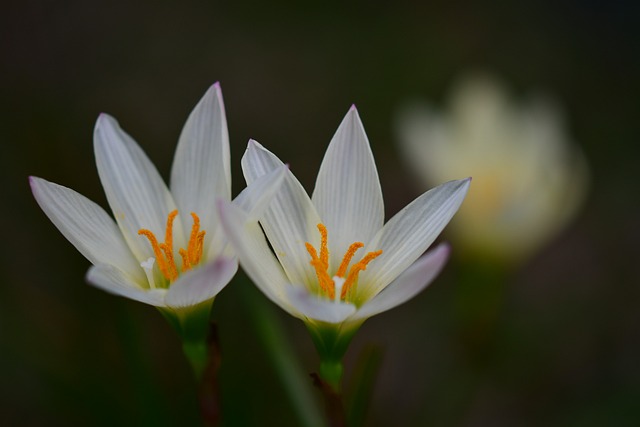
331,371
197,355
201,347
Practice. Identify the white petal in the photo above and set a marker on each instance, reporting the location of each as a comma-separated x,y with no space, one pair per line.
253,252
320,309
114,281
137,195
410,232
201,166
87,226
290,220
348,196
412,281
255,198
201,284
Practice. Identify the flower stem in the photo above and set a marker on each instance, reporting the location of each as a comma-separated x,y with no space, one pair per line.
197,355
331,372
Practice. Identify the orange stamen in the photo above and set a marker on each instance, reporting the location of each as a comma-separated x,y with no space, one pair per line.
186,265
324,249
194,235
321,265
342,270
162,264
356,269
164,251
324,280
167,246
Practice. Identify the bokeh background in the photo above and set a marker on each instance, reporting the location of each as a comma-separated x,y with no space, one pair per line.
564,348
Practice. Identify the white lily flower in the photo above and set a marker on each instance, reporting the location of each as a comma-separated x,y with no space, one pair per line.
529,179
330,260
165,247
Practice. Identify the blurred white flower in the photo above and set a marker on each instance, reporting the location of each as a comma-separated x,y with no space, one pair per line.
529,179
146,254
330,260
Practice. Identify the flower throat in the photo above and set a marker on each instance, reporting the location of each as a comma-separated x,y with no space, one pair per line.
342,280
164,251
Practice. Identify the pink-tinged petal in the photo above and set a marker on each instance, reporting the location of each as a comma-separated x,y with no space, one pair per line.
201,166
347,195
202,283
312,307
111,279
410,232
137,195
290,220
248,241
87,226
411,282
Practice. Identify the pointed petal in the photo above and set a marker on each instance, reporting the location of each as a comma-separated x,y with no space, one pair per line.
255,198
410,232
314,308
201,166
347,195
253,252
111,279
201,284
290,220
87,226
411,282
137,195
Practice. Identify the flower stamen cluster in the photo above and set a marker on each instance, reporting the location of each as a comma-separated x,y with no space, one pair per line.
164,251
342,281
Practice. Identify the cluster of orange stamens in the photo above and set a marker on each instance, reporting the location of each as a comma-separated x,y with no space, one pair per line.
321,264
164,251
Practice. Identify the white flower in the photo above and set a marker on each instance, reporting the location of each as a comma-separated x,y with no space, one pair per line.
165,248
330,260
529,180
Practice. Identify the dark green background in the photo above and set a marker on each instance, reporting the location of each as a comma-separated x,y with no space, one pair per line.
565,347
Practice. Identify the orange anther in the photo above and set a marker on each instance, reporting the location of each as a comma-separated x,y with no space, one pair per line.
342,270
